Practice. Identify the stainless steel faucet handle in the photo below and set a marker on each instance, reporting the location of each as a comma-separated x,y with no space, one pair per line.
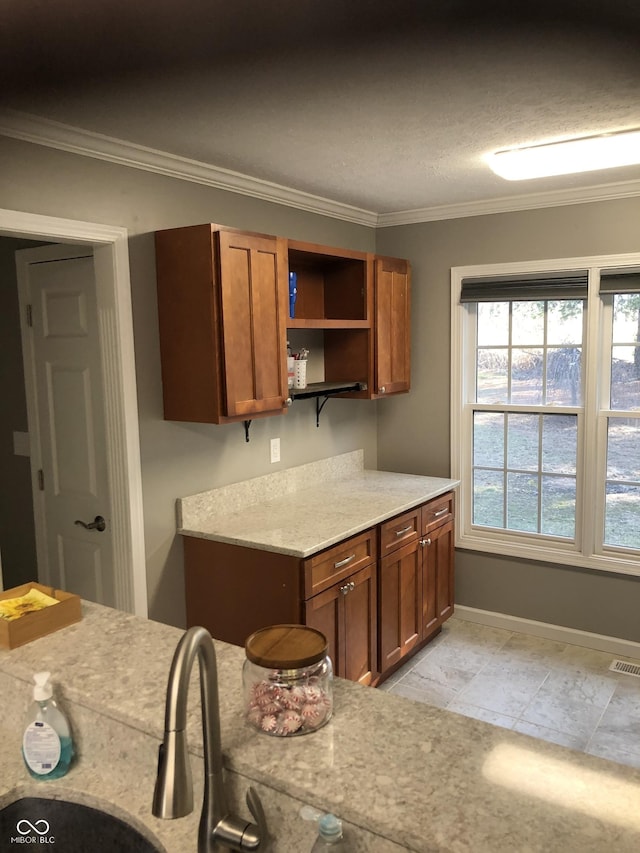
234,833
255,835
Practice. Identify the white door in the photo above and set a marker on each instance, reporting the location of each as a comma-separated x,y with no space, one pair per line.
69,462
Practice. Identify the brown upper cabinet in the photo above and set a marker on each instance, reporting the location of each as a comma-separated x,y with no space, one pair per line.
392,326
222,312
223,304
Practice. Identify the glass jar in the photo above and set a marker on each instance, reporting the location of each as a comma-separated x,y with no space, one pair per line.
287,680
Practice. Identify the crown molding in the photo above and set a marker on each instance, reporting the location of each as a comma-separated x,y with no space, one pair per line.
511,204
63,137
74,140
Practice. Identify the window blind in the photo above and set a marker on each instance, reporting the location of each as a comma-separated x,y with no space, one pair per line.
620,280
532,288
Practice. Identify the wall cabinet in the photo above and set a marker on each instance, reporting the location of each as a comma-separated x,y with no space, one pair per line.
416,579
392,365
223,307
222,312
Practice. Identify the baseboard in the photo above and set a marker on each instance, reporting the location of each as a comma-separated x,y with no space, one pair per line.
611,645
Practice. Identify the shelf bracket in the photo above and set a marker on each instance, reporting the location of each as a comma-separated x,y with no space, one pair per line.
247,424
319,407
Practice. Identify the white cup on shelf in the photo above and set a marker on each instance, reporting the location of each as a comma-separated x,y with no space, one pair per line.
300,373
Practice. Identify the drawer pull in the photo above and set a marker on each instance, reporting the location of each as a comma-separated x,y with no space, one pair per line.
404,530
344,562
441,512
424,542
348,587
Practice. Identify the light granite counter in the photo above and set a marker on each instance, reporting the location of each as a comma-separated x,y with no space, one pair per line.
305,509
402,775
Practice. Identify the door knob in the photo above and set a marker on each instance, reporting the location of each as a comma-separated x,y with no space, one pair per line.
98,524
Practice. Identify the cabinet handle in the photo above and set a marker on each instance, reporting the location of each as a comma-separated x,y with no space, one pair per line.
289,401
441,512
344,562
348,587
404,530
381,389
424,542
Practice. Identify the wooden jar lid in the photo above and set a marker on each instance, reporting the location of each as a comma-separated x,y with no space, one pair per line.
286,646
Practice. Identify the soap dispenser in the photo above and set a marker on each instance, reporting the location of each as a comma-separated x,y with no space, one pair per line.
47,745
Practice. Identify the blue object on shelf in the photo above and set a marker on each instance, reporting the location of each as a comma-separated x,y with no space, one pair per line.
293,292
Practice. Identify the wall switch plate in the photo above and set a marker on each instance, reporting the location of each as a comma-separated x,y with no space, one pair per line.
275,449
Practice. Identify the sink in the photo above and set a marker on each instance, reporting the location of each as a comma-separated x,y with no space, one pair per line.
72,827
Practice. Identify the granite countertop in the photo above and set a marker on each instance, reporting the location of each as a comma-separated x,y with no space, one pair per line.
428,779
303,510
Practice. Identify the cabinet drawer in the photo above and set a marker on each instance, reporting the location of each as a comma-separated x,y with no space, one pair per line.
437,512
399,531
326,568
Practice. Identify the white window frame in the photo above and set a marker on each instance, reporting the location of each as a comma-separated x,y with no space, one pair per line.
592,426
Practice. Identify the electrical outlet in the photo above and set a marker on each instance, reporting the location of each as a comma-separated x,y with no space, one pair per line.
275,449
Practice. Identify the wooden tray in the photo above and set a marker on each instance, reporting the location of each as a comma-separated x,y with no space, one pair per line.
33,625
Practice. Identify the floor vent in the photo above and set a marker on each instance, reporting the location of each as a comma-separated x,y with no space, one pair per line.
625,667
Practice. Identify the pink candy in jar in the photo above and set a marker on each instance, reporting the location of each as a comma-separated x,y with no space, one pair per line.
287,680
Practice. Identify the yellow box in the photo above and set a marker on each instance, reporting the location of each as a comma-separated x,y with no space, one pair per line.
33,625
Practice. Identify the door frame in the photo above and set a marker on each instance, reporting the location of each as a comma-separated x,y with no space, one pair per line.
115,321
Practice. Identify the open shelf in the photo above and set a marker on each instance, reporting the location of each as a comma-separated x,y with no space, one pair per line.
325,389
332,286
301,323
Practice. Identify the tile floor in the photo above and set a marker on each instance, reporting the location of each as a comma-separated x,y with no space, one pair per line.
558,692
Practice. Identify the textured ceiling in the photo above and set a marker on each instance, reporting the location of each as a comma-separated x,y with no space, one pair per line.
383,106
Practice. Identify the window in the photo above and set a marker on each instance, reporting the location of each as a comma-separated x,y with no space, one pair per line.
546,410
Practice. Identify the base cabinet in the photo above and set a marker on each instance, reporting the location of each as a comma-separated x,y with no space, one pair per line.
400,582
416,579
437,577
346,615
233,591
377,597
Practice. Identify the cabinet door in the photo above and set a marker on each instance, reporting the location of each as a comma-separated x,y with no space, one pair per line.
359,607
253,288
437,577
393,326
445,549
346,614
324,613
400,585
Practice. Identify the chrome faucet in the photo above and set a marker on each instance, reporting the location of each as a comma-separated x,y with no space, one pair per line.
173,794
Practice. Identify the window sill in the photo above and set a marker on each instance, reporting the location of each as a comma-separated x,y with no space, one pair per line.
615,562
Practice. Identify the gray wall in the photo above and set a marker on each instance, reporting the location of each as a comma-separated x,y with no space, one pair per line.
410,433
179,458
17,542
413,431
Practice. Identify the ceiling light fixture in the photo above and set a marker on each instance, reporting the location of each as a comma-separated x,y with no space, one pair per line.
564,158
